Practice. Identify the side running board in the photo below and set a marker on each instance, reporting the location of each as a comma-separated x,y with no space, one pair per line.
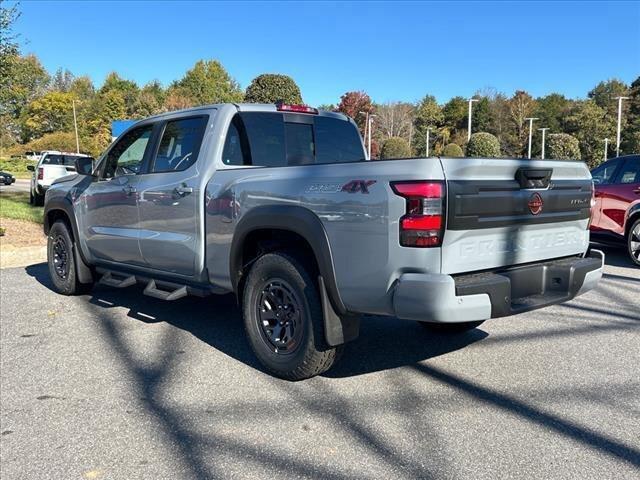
111,281
152,290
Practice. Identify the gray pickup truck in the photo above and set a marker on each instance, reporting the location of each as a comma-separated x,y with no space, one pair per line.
278,205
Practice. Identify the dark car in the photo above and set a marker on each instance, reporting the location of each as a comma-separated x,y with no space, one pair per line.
6,178
616,214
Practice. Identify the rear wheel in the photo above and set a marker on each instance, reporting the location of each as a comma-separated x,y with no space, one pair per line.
62,266
633,242
452,328
283,318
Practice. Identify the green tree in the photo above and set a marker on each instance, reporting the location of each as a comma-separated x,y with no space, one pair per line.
27,80
562,146
484,145
62,80
271,88
207,82
9,48
631,134
604,94
456,113
427,114
150,100
590,124
50,113
452,150
104,109
82,88
127,89
395,147
481,119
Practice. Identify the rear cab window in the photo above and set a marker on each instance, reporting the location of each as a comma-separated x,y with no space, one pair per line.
268,139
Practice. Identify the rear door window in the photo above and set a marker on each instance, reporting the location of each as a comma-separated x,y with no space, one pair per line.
338,141
630,171
179,145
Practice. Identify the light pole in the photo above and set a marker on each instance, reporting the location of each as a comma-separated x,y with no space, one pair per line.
370,123
544,131
531,119
606,147
619,122
471,100
75,125
427,142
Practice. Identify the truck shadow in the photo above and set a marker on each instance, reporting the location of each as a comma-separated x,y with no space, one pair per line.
384,343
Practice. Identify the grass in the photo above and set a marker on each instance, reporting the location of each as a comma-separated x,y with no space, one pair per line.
16,166
16,205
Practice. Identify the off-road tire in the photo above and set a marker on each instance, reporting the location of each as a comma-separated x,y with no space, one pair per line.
311,355
451,328
38,200
59,239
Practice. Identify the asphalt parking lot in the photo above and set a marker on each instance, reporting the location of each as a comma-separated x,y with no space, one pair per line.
20,185
118,385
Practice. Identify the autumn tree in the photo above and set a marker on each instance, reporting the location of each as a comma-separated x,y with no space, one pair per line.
352,103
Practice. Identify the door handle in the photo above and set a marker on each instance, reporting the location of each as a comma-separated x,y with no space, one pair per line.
636,190
129,189
183,190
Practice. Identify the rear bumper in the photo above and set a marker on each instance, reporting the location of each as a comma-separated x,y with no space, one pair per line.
479,296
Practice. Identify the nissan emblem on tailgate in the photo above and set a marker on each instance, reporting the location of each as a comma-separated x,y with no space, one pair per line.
535,204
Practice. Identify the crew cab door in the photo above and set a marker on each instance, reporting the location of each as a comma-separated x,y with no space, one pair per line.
504,212
615,198
603,177
168,196
109,217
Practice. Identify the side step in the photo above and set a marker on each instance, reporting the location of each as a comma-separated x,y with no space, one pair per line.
111,281
152,290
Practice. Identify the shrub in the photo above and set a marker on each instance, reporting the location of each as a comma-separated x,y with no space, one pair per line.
452,150
270,88
562,146
395,147
484,145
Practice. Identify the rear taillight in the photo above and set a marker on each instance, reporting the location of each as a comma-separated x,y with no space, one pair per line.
592,205
40,173
423,223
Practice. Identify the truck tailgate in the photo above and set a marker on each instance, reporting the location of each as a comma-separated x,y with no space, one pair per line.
503,212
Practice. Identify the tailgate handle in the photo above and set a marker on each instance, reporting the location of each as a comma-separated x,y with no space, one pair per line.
533,177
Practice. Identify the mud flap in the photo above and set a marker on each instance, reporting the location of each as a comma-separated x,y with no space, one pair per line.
84,273
337,329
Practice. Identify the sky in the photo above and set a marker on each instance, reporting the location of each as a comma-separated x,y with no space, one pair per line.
391,50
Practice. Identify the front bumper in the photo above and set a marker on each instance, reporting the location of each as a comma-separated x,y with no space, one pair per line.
479,296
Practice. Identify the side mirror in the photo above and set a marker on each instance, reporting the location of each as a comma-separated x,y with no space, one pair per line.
31,168
84,165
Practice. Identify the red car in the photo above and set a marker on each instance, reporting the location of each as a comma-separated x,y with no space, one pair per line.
616,215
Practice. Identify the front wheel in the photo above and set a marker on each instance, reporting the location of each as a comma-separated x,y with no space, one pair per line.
62,266
451,328
283,318
633,242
